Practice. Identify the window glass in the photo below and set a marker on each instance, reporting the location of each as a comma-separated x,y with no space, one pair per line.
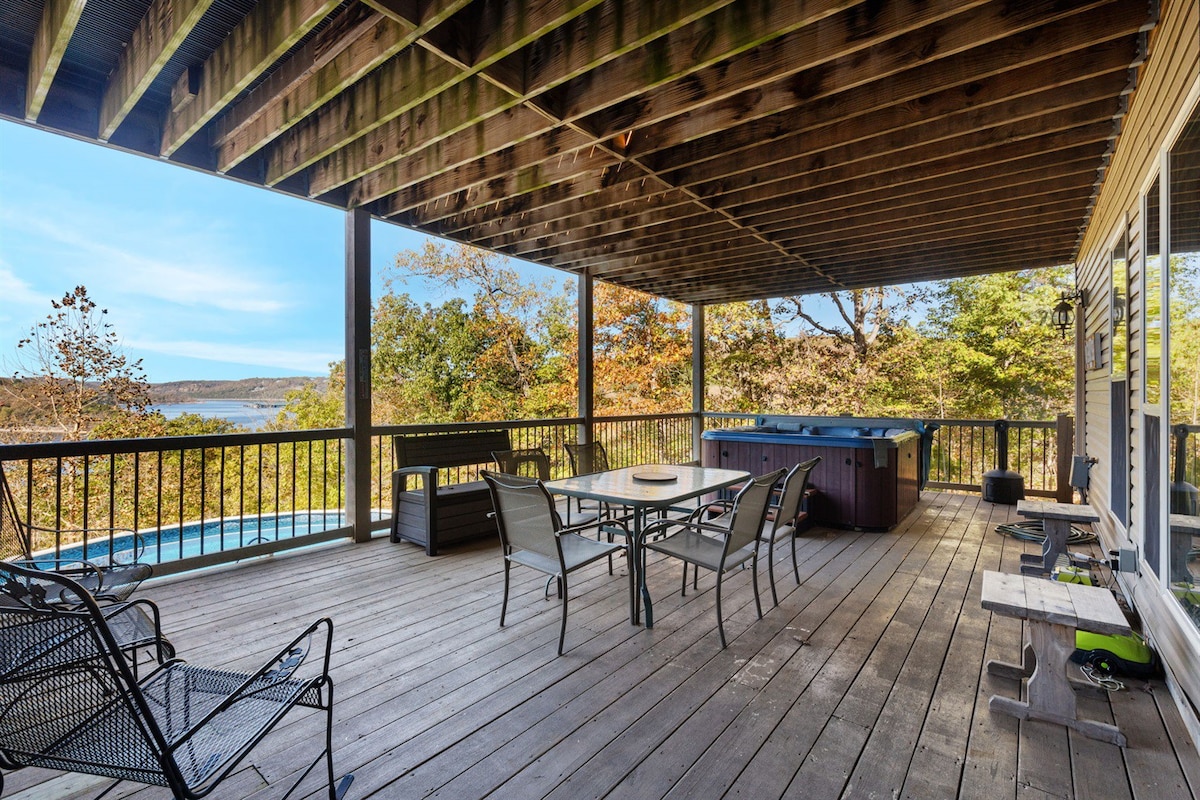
1152,281
1183,325
1120,343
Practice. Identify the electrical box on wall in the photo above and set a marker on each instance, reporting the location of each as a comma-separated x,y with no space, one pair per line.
1093,351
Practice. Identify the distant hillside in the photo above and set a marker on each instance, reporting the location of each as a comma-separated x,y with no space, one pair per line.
264,389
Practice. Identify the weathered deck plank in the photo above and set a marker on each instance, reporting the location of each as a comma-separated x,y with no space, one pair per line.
868,679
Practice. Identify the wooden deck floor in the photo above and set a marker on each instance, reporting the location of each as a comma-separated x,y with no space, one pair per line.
867,681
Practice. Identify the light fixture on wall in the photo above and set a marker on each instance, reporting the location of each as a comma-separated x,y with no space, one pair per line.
1063,315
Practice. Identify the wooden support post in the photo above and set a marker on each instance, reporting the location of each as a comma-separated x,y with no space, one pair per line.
698,386
1063,491
358,372
587,400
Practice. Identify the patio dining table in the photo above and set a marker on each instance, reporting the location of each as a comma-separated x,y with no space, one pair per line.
643,489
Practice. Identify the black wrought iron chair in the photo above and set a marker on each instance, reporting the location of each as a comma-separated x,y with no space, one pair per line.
719,548
532,534
110,577
70,701
783,517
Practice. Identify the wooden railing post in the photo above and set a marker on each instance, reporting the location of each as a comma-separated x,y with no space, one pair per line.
1065,451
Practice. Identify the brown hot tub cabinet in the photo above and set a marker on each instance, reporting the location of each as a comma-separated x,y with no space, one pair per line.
869,475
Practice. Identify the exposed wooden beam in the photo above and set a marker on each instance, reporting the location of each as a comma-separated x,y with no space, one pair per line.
837,92
1044,41
647,230
675,49
262,117
412,77
59,18
257,42
163,29
893,130
1087,123
521,139
732,254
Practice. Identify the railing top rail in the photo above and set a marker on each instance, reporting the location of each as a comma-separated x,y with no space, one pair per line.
644,417
103,447
441,427
987,423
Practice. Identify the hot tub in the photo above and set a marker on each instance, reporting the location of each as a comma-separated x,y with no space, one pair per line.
870,473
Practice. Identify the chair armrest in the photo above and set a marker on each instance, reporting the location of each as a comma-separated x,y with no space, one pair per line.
696,514
596,524
417,470
661,526
278,670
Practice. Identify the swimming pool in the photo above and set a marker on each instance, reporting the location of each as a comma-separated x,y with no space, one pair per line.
194,539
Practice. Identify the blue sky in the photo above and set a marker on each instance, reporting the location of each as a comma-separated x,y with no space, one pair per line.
203,278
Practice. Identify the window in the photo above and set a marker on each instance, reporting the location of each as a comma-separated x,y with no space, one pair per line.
1183,360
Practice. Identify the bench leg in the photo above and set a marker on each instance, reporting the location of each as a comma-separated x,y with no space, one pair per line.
1002,669
1051,695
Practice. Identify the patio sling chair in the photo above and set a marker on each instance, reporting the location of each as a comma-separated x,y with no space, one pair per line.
69,700
532,534
719,548
111,577
783,517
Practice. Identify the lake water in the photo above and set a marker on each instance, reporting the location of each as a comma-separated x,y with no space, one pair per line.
239,412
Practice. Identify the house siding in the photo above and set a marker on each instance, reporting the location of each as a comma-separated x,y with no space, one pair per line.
1166,85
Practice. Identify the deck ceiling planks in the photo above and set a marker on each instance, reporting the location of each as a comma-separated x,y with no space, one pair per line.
703,150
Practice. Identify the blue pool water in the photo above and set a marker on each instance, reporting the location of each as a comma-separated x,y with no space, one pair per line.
170,544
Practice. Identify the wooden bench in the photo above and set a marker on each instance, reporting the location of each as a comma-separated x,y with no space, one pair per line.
1053,611
1056,523
433,515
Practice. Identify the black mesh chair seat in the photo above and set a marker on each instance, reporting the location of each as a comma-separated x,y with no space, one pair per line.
70,701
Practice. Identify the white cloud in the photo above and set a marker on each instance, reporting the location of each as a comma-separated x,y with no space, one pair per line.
17,294
299,360
161,264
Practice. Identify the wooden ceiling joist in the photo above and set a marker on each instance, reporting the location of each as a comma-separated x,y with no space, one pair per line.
57,26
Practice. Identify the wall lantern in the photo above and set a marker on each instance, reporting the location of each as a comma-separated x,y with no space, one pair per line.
1063,315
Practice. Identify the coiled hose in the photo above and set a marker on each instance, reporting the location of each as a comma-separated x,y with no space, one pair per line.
1032,531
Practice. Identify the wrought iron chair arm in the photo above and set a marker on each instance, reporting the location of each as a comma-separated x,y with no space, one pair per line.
280,668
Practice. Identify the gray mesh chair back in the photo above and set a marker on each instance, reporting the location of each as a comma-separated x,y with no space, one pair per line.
525,515
111,577
786,517
532,462
716,547
587,458
73,703
532,535
750,511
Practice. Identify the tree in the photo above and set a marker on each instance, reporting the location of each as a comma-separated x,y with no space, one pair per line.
643,353
992,336
72,369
